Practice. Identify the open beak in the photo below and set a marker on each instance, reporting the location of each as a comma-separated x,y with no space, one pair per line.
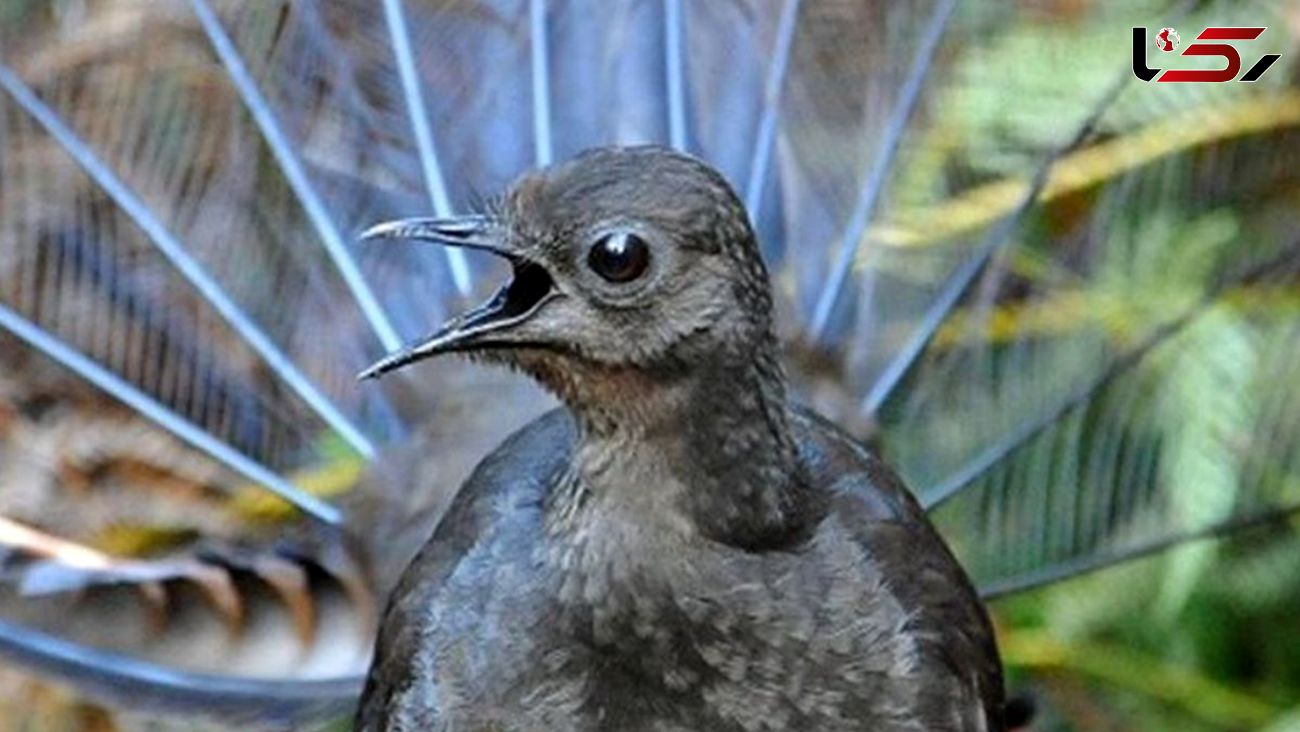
487,325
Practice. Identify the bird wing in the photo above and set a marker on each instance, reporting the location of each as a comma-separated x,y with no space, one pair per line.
520,471
947,617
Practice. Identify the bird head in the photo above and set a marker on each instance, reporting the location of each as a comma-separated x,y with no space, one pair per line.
626,263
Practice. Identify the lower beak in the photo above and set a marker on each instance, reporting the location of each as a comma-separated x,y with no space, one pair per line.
488,324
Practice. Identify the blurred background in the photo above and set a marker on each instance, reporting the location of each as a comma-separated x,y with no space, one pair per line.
1062,301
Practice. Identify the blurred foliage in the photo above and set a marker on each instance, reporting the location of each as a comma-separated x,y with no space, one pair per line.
1203,637
1146,647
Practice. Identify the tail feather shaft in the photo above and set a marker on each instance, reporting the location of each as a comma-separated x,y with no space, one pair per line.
417,112
308,198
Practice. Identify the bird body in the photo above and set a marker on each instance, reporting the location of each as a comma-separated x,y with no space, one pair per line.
516,617
680,549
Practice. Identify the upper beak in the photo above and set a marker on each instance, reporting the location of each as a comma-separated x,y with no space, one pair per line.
529,287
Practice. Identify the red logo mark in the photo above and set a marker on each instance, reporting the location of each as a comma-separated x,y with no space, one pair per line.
1167,40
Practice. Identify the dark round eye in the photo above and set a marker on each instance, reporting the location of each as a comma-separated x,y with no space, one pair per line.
619,257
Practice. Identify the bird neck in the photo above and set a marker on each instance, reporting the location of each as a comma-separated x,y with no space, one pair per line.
707,449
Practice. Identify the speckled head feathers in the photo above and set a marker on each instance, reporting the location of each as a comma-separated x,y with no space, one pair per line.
625,258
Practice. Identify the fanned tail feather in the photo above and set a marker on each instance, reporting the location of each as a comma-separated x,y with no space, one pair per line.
122,680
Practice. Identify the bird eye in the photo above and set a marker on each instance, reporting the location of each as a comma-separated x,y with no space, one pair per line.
619,257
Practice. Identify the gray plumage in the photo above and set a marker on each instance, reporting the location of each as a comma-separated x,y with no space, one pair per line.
680,548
